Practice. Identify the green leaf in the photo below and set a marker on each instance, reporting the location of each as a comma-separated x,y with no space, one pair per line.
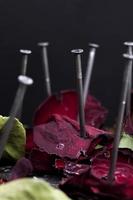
15,147
29,188
99,146
126,141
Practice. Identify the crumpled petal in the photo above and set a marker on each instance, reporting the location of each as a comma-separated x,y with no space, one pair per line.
60,136
66,103
70,168
95,113
128,125
93,183
22,168
41,161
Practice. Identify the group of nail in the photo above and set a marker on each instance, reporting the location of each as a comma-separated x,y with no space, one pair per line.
82,90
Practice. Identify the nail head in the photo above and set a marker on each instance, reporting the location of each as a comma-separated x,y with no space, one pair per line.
43,44
128,43
77,51
24,51
25,80
128,56
93,45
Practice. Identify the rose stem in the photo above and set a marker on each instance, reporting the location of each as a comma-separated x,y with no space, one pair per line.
77,53
24,54
128,105
119,122
24,81
44,45
89,69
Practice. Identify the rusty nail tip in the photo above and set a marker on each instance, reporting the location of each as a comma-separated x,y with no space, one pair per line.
128,43
128,56
25,51
43,44
77,51
94,45
25,80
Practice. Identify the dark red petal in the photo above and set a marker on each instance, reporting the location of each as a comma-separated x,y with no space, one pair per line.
67,104
128,125
95,113
29,140
23,168
41,161
61,138
64,104
123,172
85,186
60,164
93,183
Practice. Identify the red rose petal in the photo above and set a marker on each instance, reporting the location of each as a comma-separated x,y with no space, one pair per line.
61,138
67,105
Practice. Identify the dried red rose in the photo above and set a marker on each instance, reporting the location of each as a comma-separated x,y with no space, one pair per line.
95,113
59,138
93,183
41,161
66,103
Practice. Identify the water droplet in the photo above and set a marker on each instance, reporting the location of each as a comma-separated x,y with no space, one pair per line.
60,146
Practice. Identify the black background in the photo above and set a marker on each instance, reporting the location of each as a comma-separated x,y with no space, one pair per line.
66,24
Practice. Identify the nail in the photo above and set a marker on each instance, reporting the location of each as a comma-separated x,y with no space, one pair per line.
77,53
24,81
130,46
90,64
44,46
25,54
128,105
120,118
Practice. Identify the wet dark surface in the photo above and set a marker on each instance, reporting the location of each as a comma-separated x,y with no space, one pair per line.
52,179
5,172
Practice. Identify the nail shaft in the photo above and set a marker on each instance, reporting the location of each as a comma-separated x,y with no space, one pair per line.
77,53
119,122
89,69
5,132
25,54
46,67
128,105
